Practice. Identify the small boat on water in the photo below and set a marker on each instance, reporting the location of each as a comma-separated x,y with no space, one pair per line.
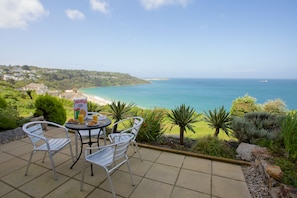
264,81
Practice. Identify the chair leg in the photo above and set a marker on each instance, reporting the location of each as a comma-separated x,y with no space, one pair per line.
135,145
83,177
29,162
43,157
110,183
71,152
128,164
52,164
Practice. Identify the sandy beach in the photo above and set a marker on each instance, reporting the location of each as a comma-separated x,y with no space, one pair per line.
96,99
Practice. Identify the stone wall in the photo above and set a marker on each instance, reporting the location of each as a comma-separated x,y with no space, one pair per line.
11,135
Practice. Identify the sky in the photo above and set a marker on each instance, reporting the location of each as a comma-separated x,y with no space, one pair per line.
153,38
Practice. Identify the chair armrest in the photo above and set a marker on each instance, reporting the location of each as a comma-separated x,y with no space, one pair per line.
37,136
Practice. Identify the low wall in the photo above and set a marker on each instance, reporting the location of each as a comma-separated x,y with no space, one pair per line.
11,135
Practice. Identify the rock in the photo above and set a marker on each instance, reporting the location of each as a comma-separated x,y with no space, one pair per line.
244,150
261,153
283,191
274,171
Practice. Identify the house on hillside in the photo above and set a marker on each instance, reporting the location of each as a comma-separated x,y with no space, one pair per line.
39,88
71,94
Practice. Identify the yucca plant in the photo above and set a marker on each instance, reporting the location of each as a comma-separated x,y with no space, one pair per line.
119,110
94,107
218,119
183,116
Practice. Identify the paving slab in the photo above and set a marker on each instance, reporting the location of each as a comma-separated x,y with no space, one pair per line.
227,170
151,188
163,173
196,181
197,164
226,188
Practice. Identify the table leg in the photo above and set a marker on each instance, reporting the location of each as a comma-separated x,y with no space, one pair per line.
90,144
81,149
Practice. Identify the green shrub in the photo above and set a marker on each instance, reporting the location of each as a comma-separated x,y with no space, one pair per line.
276,106
289,134
210,145
255,126
3,103
51,108
289,170
276,147
151,129
9,118
243,105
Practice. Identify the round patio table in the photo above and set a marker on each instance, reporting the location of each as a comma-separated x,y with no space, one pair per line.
101,124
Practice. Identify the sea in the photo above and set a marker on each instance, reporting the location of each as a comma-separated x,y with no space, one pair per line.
201,94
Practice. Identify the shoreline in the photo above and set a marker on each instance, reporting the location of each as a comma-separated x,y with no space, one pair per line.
96,99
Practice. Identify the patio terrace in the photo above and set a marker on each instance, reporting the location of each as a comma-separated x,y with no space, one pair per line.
161,174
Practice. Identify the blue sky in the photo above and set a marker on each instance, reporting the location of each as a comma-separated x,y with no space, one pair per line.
153,38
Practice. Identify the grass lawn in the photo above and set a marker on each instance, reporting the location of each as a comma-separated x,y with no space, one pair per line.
201,129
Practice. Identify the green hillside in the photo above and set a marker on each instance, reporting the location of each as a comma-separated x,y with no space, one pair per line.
62,79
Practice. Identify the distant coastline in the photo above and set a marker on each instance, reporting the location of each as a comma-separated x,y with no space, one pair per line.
148,79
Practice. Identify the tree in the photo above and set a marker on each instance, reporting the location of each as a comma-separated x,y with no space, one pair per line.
25,67
218,119
242,105
119,110
183,116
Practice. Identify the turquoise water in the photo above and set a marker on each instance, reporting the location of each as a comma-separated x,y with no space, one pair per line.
201,94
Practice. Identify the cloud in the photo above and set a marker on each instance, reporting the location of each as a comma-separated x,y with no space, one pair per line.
100,5
155,4
19,13
74,14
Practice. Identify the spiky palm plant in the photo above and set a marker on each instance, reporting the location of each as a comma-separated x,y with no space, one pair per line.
183,116
218,119
94,107
119,110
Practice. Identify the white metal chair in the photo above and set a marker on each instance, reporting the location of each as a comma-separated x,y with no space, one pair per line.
96,133
109,157
137,122
43,142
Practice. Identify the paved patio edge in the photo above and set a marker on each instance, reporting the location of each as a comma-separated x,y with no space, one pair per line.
220,159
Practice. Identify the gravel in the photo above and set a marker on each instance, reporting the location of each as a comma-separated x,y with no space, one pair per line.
255,182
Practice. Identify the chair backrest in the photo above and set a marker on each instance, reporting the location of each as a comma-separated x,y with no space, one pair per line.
136,126
121,147
34,131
